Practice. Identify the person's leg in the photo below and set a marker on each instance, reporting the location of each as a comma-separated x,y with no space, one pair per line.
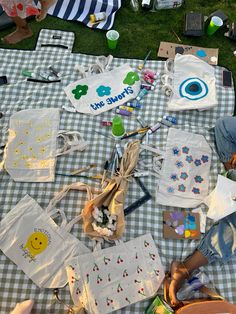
22,31
225,137
45,5
219,244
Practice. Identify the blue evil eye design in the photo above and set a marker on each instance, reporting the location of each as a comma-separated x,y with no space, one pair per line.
193,89
174,177
185,150
198,179
179,164
204,158
184,175
170,189
197,162
176,151
189,159
181,188
196,191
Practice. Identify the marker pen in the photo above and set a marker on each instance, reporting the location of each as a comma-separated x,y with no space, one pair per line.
141,94
171,119
166,122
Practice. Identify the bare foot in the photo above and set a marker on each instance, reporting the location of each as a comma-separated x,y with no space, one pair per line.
179,274
18,35
45,5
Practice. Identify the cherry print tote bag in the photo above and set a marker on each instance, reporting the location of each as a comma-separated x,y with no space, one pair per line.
104,91
36,244
109,279
184,176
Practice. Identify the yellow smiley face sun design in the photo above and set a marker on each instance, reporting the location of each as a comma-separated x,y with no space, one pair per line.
36,243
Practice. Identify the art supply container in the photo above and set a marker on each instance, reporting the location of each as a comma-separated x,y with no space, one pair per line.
118,129
112,38
214,24
97,17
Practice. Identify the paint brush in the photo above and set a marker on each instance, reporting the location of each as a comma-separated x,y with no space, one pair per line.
141,65
106,166
83,169
179,40
136,132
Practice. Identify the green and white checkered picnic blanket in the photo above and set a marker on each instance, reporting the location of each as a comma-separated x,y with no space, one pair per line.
21,94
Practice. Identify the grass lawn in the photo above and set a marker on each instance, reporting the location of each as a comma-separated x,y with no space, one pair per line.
142,31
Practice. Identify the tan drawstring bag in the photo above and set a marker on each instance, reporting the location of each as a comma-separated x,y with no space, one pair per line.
113,195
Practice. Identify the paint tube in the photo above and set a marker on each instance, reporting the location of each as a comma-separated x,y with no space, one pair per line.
154,128
123,112
172,119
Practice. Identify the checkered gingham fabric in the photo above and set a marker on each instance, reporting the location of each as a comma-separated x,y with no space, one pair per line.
21,94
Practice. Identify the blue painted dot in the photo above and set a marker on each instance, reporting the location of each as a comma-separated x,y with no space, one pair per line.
201,53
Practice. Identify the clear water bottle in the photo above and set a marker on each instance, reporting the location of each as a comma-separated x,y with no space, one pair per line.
134,5
192,285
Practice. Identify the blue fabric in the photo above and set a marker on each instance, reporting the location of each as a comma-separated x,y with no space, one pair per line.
225,136
219,243
80,10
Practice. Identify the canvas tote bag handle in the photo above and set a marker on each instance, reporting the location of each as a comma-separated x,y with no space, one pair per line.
72,140
74,186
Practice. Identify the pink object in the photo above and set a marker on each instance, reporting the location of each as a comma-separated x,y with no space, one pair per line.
20,8
150,73
24,307
148,79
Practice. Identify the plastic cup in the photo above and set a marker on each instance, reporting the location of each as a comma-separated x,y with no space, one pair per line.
214,24
118,129
112,39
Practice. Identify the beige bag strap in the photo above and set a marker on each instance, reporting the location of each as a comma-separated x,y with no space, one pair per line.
74,186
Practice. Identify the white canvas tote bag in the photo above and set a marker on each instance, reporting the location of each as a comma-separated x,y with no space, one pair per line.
104,91
109,279
184,176
222,200
32,146
190,82
36,244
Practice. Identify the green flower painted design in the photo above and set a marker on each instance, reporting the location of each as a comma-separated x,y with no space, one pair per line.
131,78
79,91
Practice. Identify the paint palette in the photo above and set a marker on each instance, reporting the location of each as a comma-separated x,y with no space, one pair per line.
169,50
181,225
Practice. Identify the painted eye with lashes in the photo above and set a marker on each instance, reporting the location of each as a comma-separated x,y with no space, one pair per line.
193,89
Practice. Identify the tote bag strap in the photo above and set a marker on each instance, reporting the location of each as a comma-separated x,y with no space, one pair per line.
74,186
72,140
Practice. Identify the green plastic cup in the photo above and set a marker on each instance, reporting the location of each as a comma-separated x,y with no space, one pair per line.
112,38
118,129
215,23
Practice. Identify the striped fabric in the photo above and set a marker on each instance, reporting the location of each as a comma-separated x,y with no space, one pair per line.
79,10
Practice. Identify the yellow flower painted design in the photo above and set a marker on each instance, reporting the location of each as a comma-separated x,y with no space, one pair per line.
24,157
39,139
30,149
26,132
17,151
21,143
15,164
42,150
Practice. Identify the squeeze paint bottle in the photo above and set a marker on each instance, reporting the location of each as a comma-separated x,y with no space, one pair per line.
192,285
171,119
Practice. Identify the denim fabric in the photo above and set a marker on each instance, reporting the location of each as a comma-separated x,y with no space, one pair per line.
219,243
225,136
